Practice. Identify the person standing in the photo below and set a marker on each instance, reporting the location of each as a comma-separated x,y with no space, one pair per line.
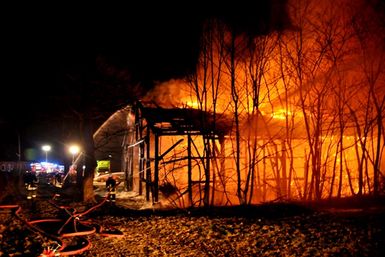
111,185
30,183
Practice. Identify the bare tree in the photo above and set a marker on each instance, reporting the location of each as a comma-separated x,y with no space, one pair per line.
207,87
369,32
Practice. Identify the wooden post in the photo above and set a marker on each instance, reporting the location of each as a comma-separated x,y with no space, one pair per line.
147,170
139,135
155,185
141,152
206,197
189,171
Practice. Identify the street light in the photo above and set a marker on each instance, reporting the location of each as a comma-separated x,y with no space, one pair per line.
74,149
46,149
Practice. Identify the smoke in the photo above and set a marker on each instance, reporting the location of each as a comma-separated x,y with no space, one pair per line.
168,94
315,19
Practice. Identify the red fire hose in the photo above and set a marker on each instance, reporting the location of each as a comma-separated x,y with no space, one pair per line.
57,229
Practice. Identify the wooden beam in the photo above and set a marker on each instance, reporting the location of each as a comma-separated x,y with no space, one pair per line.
189,171
155,187
172,147
148,166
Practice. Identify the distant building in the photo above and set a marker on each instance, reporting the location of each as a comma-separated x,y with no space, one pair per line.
36,166
14,166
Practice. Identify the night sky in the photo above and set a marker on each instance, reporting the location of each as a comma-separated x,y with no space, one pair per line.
42,44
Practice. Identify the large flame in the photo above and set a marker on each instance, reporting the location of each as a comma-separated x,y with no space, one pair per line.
302,99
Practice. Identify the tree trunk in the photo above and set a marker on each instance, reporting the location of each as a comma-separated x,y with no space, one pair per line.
89,161
376,175
11,184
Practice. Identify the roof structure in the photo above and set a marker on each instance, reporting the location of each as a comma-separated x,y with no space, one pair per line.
180,121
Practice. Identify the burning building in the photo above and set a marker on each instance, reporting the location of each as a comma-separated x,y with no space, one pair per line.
293,114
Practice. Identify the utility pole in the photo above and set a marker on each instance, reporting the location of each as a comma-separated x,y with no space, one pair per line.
18,152
18,147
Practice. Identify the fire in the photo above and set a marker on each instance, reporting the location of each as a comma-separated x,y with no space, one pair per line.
192,104
301,100
281,114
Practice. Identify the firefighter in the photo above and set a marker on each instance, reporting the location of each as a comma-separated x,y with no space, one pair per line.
111,185
58,179
30,183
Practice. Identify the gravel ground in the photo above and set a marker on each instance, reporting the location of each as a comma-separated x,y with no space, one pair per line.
267,230
255,234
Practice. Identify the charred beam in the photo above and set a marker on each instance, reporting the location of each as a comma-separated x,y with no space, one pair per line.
172,147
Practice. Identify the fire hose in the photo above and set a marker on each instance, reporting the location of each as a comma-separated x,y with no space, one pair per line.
80,228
